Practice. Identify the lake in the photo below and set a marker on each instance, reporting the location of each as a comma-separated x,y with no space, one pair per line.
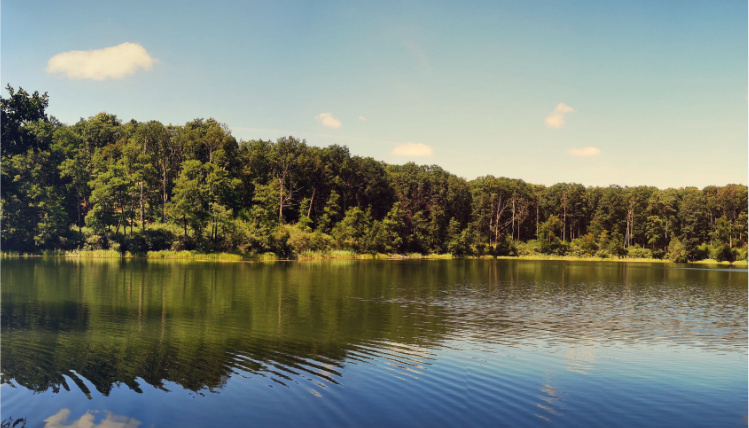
434,343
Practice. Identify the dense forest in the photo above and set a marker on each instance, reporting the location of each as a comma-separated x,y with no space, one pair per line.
136,187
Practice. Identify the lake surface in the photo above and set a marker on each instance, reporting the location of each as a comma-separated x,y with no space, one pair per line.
372,343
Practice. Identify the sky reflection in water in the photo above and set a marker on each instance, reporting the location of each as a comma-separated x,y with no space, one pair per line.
372,343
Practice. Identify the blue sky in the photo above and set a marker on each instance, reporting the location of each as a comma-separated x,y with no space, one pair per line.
599,93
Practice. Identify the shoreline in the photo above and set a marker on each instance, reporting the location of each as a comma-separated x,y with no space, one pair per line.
338,255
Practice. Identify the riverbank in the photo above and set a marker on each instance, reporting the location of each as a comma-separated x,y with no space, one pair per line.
337,255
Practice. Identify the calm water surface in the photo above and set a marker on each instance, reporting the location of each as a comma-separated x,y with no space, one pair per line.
372,343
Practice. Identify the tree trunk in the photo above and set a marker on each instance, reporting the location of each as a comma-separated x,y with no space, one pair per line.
491,222
564,221
163,197
78,207
280,200
496,222
513,219
311,201
142,220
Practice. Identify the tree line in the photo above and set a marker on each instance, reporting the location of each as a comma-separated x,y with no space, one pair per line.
103,183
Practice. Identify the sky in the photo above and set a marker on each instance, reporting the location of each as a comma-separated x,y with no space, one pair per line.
591,92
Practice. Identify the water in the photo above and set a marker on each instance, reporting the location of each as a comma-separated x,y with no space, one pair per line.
372,343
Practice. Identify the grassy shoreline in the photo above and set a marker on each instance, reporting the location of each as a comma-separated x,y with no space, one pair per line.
336,255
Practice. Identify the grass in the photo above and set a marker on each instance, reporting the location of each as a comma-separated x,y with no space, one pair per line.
723,263
192,255
334,255
585,259
327,255
99,254
267,257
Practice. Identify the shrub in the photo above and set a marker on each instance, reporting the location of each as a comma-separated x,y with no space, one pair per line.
695,250
530,248
584,246
481,248
723,253
740,254
136,243
701,252
302,241
637,252
96,242
676,251
183,243
160,236
505,247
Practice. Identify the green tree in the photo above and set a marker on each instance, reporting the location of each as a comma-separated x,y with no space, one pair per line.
677,252
352,232
190,200
331,213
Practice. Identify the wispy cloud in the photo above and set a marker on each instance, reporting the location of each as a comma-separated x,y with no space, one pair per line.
556,118
362,118
585,151
412,150
328,120
115,62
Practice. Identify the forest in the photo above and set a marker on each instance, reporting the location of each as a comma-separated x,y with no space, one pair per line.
139,187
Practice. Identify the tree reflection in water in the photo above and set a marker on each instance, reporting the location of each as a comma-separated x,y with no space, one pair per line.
196,325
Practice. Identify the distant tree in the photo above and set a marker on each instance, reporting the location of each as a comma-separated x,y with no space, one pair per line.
677,252
352,232
190,201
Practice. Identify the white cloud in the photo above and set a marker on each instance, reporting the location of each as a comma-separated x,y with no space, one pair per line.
60,420
556,118
114,62
328,120
412,150
585,151
362,118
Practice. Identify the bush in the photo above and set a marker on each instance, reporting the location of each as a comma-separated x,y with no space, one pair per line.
701,252
96,242
505,247
554,246
530,248
676,251
136,243
739,254
481,248
723,253
637,252
584,246
183,243
695,250
74,239
302,241
280,243
160,236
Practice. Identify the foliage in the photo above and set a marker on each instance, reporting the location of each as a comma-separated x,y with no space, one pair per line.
676,251
139,187
637,252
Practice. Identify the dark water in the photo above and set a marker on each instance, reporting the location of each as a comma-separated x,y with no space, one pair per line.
372,343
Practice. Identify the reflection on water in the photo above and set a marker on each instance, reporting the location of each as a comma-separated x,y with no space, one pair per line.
88,420
471,328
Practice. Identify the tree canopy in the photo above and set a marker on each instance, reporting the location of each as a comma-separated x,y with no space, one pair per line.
102,183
